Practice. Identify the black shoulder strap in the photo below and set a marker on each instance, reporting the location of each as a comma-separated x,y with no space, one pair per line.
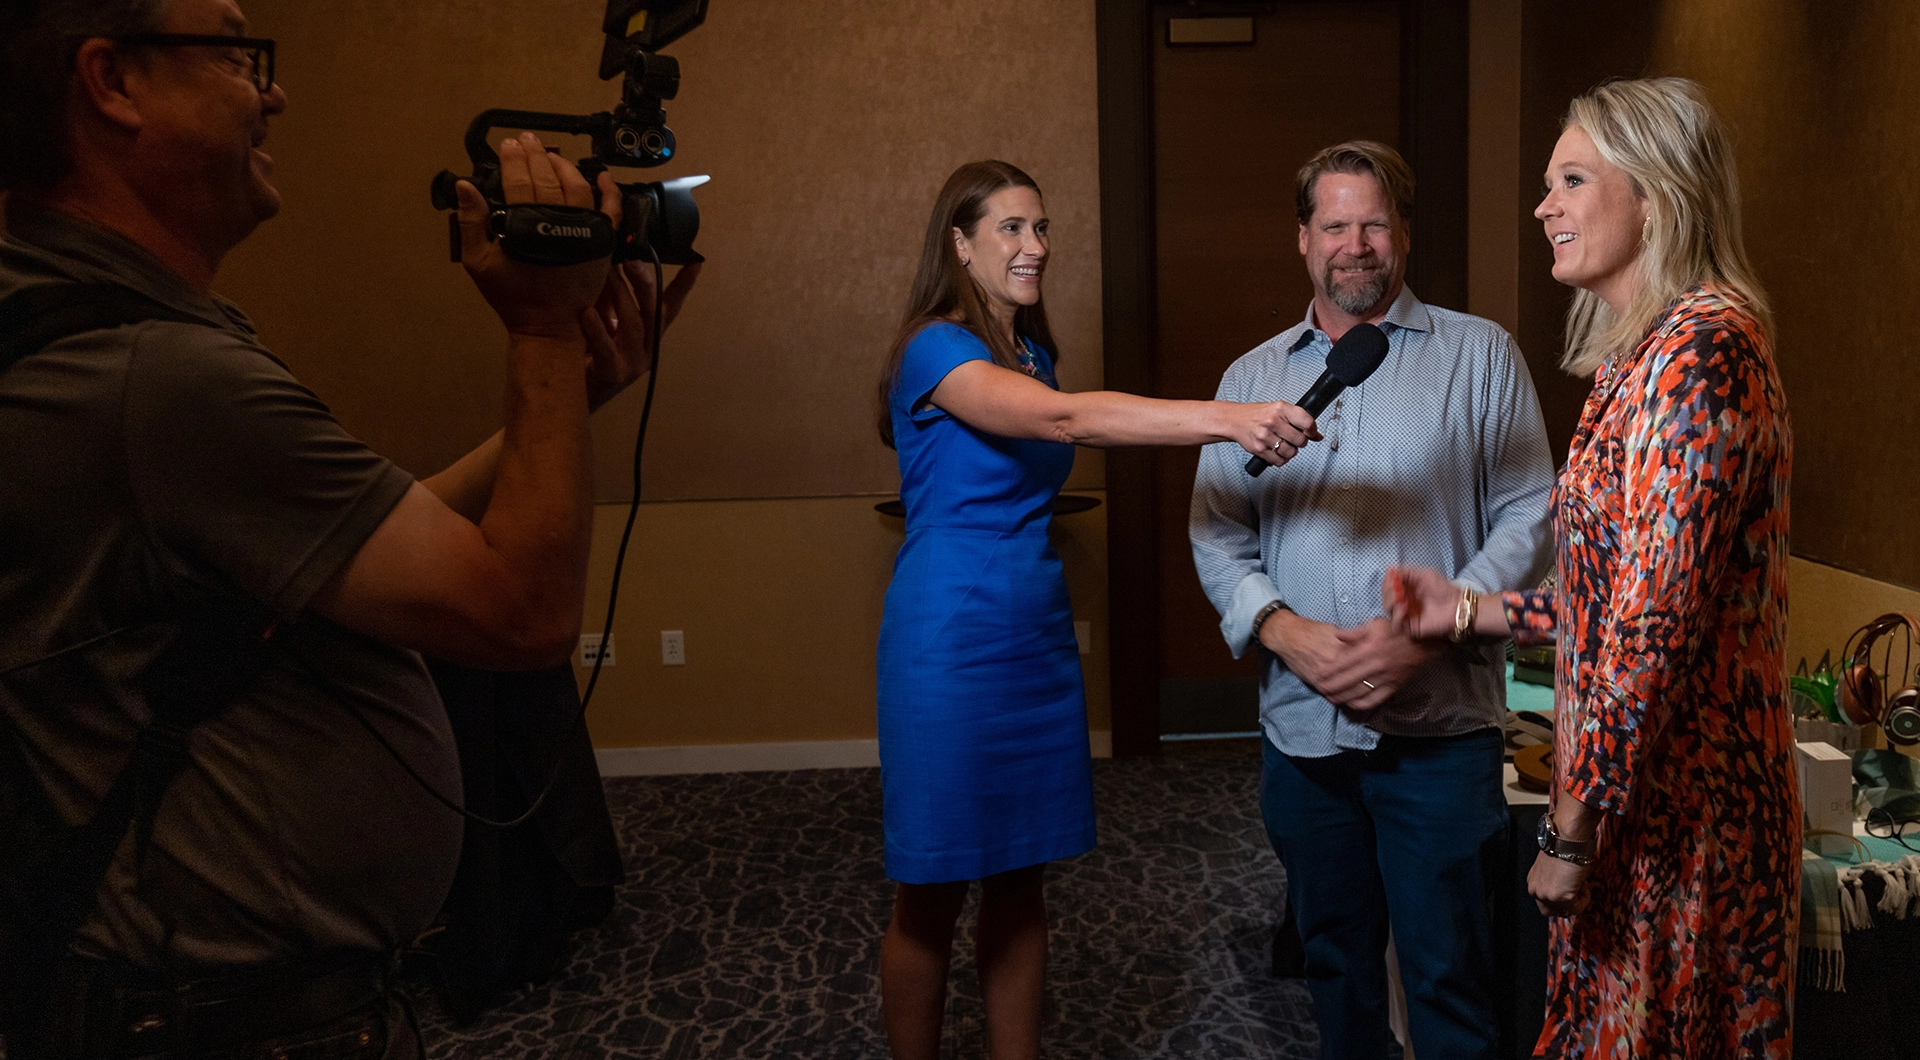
33,318
50,872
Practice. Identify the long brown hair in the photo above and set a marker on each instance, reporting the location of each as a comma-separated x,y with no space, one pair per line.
942,289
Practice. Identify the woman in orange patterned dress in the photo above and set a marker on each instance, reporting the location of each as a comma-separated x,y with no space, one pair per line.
1670,855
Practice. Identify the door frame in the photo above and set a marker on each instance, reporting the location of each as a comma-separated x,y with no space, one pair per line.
1433,109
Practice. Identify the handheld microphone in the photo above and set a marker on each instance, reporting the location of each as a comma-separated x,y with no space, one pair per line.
1349,363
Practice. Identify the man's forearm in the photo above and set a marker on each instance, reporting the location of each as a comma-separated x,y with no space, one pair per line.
467,485
1282,629
537,513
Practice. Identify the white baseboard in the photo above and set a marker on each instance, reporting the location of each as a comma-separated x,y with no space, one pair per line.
762,757
737,757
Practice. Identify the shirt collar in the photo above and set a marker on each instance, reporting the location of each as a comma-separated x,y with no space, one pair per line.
1406,312
75,249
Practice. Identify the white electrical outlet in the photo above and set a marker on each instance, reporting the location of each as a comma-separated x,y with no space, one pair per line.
673,647
1083,632
590,649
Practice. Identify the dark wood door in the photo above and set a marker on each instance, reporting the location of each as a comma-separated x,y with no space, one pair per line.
1231,125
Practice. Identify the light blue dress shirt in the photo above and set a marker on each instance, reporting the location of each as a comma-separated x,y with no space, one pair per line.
1438,460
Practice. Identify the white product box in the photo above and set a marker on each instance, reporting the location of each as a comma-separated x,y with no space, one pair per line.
1826,796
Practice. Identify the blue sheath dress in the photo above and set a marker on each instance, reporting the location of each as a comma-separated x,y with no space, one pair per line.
984,759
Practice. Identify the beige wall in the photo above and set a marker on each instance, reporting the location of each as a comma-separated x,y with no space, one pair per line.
1820,99
780,603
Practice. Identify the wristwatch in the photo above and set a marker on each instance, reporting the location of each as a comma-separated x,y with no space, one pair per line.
1554,845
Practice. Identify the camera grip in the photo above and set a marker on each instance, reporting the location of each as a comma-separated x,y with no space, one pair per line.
551,234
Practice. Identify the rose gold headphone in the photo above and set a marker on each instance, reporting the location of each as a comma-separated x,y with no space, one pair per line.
1863,690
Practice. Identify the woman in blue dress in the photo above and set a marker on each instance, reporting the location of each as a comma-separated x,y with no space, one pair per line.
983,733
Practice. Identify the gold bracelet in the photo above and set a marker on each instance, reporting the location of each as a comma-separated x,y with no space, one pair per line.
1465,613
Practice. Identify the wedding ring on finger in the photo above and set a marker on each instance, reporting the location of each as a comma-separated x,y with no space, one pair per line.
1371,687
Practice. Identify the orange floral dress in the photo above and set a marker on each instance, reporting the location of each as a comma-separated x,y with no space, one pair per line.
1670,521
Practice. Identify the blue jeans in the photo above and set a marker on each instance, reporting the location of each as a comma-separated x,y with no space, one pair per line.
1413,832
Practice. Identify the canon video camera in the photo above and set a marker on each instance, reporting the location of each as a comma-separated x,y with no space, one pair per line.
658,219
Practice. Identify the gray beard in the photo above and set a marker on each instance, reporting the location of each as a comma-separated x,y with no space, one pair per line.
1359,297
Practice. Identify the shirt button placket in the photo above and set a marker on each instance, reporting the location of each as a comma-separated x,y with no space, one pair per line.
1351,513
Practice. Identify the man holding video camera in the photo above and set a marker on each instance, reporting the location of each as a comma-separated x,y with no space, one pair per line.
212,598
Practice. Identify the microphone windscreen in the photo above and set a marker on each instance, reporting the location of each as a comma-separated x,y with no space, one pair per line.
1357,354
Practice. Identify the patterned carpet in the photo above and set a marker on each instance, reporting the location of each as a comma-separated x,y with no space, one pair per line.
752,921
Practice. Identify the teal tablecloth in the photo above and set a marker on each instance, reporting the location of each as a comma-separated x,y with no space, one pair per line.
1877,850
1524,696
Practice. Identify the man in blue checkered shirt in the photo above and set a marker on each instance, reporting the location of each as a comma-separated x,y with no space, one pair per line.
1382,783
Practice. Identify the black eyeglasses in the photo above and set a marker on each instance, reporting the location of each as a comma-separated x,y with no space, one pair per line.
256,52
1883,825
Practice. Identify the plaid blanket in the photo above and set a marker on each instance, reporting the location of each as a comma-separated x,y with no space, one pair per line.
1823,963
1833,903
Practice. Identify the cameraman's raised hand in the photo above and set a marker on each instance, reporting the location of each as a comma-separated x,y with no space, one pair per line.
543,300
619,328
485,563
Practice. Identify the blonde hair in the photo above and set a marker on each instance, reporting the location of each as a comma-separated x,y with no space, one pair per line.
1671,145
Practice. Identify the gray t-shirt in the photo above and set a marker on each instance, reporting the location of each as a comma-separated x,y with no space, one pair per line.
142,469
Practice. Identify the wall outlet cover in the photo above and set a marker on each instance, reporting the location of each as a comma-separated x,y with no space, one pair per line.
590,649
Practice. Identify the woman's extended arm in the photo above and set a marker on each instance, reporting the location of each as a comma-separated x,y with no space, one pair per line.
1422,602
990,398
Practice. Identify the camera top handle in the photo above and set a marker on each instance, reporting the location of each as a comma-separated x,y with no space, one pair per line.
599,127
659,219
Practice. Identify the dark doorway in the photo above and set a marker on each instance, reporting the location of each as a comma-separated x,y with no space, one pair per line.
1198,147
1231,125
